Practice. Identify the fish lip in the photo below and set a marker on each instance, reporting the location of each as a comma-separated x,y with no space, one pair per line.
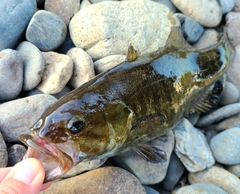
54,160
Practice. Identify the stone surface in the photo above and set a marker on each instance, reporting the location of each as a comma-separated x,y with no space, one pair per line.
193,118
83,69
233,26
70,7
228,123
57,73
108,17
225,146
191,147
17,116
217,176
208,38
167,3
201,188
63,92
109,62
236,5
147,172
226,5
234,169
150,190
195,9
107,180
230,94
46,30
13,21
15,154
3,152
174,173
219,114
11,74
33,64
66,45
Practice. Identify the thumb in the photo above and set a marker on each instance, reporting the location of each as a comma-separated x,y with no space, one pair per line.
25,177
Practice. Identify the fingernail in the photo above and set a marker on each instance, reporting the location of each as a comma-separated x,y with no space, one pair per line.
26,171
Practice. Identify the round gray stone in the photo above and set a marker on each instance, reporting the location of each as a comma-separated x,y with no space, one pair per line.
46,30
14,17
3,152
33,62
15,154
11,74
230,94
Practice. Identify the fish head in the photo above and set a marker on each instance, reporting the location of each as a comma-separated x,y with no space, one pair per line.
76,131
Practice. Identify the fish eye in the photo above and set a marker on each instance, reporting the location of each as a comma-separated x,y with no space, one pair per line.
76,126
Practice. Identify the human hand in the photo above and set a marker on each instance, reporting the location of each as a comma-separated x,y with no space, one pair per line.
25,177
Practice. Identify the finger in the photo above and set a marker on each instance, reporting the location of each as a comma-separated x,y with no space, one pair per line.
4,172
45,186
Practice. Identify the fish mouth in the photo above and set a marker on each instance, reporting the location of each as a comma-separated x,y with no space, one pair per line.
55,161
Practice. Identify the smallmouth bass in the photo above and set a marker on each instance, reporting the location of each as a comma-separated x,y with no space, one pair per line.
129,105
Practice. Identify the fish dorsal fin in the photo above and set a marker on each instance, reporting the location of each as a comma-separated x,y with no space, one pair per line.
151,153
176,39
211,97
132,54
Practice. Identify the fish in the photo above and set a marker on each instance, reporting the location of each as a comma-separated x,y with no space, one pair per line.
128,105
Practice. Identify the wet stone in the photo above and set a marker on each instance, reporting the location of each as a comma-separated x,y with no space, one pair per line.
15,154
3,152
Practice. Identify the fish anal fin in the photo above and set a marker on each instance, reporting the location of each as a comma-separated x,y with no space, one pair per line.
132,54
154,154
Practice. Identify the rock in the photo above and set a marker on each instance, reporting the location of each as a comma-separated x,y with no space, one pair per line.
219,114
17,116
84,166
33,64
63,92
57,73
132,17
83,67
225,146
167,3
233,75
147,172
105,180
236,5
174,173
210,134
191,147
234,169
201,11
193,118
14,18
15,154
70,7
231,122
66,46
34,92
233,26
230,94
192,30
84,4
208,38
11,73
46,30
3,152
227,5
201,188
150,190
217,176
109,62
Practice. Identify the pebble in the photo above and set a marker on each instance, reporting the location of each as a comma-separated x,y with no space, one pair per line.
130,16
191,147
217,176
193,118
33,64
57,73
46,30
109,62
225,146
233,75
150,190
174,173
228,123
201,188
226,5
11,73
167,3
70,8
219,114
84,4
13,21
62,93
15,115
3,152
15,154
234,169
236,5
210,134
230,94
209,37
147,172
66,45
195,9
106,180
83,69
233,26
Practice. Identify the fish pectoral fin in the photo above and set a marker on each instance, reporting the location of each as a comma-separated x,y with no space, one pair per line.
154,154
132,54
